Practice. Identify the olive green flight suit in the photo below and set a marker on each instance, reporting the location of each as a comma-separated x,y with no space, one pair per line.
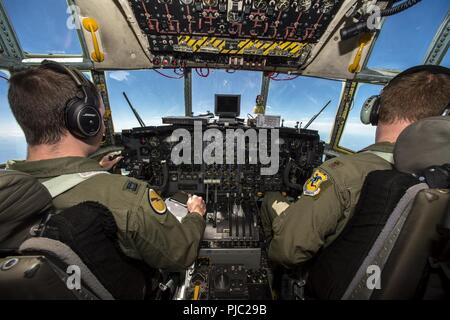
159,239
298,230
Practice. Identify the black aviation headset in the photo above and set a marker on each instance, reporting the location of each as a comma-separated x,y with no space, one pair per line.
370,112
82,113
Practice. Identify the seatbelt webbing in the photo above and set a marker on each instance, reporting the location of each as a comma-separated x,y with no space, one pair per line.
381,249
389,157
68,256
64,183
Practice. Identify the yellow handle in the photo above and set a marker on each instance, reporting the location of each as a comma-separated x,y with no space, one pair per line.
92,26
196,293
355,66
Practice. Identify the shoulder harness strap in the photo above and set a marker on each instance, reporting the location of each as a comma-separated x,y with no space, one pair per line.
64,183
389,157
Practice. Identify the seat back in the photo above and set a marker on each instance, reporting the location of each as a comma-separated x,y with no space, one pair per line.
404,275
86,231
67,260
36,277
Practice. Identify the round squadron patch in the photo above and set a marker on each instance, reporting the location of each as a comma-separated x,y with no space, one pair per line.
156,202
312,186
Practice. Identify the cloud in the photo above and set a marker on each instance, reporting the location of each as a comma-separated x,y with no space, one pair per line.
358,129
10,130
119,75
312,99
250,83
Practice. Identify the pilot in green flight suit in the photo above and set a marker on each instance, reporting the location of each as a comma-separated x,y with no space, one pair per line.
61,114
298,230
329,198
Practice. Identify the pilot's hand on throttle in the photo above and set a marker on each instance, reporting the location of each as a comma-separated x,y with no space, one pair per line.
197,205
110,160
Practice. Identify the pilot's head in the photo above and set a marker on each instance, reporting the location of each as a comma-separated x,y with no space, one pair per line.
418,93
55,105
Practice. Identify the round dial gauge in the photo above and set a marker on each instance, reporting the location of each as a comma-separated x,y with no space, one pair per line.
282,5
210,3
260,4
304,5
327,6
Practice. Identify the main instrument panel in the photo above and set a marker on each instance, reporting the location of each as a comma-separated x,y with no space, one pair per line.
148,154
232,262
256,34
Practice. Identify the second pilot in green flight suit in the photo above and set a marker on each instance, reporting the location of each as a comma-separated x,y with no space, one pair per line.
298,230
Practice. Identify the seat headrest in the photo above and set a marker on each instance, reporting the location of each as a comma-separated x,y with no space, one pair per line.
423,144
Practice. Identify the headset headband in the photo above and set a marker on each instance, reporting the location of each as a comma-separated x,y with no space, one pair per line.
79,79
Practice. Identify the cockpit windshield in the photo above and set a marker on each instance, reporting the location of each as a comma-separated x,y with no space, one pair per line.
45,27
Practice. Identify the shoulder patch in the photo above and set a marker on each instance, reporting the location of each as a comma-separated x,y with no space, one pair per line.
312,185
156,202
131,186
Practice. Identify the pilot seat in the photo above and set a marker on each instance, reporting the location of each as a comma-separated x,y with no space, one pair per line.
73,254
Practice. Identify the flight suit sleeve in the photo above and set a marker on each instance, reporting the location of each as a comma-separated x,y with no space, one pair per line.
161,240
302,229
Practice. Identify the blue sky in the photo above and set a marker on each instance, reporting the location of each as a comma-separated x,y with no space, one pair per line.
41,28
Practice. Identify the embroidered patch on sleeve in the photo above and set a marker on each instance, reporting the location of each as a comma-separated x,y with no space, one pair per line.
131,186
312,186
156,202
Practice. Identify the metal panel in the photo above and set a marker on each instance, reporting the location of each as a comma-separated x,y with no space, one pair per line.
10,49
100,82
348,95
376,76
440,44
188,91
265,88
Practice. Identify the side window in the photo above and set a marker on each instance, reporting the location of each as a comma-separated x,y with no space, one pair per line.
88,75
44,27
12,139
300,99
356,135
151,94
405,38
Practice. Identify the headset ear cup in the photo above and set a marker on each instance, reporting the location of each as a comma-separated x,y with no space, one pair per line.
368,109
82,121
375,114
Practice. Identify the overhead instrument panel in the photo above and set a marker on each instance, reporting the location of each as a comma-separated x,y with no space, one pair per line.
247,34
